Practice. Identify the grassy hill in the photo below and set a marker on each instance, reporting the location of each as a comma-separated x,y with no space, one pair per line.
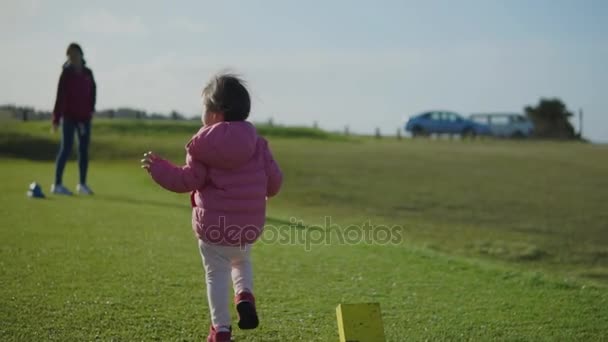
490,239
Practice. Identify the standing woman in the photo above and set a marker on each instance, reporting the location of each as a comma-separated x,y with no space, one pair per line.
74,109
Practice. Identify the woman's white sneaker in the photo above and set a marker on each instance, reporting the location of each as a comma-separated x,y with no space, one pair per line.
83,189
59,189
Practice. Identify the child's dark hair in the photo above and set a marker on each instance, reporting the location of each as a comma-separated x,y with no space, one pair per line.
226,93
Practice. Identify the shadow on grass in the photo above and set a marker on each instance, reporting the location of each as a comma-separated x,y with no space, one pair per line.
280,223
601,276
512,251
140,201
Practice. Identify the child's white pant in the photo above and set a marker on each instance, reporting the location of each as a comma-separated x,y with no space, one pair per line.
223,264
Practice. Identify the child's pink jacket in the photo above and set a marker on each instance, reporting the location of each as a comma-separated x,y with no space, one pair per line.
230,172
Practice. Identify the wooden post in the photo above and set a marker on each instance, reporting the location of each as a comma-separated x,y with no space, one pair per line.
580,123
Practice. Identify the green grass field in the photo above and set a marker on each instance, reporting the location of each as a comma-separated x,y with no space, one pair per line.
494,240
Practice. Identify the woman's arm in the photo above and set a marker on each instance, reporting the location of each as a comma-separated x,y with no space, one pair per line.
94,92
59,100
175,178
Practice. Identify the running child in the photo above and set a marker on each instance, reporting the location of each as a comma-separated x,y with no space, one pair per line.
229,172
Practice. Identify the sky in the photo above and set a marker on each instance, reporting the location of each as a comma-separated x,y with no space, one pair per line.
362,64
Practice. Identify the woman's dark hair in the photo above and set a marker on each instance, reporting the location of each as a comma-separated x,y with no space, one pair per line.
227,94
77,47
74,46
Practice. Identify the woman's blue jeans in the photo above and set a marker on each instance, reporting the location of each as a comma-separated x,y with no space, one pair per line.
68,129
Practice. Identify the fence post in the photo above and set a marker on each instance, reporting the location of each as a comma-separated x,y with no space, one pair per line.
580,123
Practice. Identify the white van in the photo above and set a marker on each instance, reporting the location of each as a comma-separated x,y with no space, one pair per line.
506,125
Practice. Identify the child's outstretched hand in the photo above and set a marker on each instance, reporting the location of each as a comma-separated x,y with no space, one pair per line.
149,159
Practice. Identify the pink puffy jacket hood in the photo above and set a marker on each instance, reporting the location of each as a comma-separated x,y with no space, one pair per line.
230,172
225,145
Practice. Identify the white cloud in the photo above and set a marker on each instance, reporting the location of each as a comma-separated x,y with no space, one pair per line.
105,22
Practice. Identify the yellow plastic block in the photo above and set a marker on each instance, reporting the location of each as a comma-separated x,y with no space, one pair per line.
360,322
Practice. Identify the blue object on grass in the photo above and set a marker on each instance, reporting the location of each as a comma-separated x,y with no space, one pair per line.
35,191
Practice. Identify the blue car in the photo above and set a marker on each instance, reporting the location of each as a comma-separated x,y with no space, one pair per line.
444,122
506,125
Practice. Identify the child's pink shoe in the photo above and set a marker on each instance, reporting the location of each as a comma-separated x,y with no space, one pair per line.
245,307
219,336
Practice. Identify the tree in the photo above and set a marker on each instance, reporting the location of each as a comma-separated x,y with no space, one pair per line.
175,115
550,118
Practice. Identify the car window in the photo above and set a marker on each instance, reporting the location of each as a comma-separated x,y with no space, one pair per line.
480,119
436,116
499,120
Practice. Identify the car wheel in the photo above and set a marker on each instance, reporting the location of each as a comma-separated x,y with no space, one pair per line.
518,135
468,132
418,131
